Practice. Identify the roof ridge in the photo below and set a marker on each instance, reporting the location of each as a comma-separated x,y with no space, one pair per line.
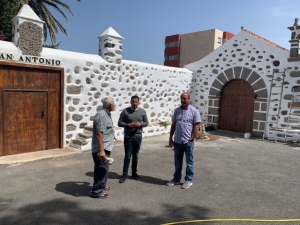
262,38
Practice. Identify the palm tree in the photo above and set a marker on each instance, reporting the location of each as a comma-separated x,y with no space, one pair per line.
40,7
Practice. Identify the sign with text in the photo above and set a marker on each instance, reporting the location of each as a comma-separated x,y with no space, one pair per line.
29,59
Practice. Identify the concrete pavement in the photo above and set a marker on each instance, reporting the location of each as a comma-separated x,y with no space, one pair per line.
234,178
46,154
32,156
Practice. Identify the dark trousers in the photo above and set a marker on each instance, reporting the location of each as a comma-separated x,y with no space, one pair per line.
101,169
132,147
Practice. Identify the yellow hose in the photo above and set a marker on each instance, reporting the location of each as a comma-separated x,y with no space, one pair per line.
234,220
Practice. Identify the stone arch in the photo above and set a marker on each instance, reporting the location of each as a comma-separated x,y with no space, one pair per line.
237,106
258,84
260,95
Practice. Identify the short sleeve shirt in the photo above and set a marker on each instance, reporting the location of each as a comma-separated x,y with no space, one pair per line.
185,120
103,123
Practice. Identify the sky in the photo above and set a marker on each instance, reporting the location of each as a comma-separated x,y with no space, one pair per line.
144,24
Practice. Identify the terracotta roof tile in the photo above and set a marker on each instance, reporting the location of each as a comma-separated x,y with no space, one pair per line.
263,39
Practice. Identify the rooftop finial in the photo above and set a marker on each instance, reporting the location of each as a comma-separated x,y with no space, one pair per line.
296,22
242,28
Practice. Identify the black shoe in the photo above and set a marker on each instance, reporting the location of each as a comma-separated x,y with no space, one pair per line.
136,177
122,180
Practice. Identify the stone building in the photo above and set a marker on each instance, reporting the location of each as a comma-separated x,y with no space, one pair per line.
49,97
248,85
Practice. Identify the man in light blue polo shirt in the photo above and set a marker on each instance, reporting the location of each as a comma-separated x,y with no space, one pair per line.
185,125
102,144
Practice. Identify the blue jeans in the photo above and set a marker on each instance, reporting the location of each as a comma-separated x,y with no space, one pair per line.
179,150
101,169
132,147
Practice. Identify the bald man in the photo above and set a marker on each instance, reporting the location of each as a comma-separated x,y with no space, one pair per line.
185,125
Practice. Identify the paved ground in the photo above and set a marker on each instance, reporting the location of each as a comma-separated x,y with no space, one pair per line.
235,178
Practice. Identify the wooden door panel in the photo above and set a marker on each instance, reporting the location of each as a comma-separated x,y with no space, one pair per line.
246,107
24,125
228,112
229,107
30,78
237,107
1,119
54,122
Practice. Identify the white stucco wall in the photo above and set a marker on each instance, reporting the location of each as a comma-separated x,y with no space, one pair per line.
157,86
89,78
243,51
113,52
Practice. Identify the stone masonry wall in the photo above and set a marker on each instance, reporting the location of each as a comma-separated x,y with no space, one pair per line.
87,82
243,57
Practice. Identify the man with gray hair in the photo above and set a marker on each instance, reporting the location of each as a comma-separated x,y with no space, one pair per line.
102,144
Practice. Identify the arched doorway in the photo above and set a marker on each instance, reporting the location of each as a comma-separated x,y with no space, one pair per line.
237,107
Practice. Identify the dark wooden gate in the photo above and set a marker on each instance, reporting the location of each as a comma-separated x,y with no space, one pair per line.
30,108
237,107
25,121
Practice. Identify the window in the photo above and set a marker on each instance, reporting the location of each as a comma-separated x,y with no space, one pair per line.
219,40
109,45
172,44
171,57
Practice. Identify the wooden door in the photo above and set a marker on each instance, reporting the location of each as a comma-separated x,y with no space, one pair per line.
25,121
237,107
26,91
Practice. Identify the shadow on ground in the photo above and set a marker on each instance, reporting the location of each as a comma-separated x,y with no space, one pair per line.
74,188
228,134
145,179
59,211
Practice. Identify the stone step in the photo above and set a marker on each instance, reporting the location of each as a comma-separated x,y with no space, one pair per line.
89,128
81,144
85,135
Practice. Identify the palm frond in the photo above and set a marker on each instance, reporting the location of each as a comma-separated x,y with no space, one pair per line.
49,23
58,9
62,4
63,30
41,8
17,7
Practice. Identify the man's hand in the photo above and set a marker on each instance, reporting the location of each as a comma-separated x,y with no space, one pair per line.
137,124
134,124
130,124
171,142
102,155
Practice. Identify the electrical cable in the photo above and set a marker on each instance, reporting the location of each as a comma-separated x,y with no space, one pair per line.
234,220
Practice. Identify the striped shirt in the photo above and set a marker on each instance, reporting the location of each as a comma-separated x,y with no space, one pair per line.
104,124
185,120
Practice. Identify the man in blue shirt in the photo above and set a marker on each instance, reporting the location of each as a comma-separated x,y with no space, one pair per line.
185,125
102,144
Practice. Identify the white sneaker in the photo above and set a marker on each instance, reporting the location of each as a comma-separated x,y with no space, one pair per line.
186,184
173,182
